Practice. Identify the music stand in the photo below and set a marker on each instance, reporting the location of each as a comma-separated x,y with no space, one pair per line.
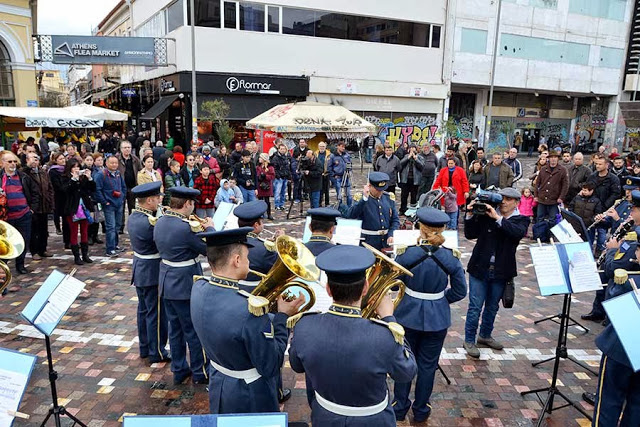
578,225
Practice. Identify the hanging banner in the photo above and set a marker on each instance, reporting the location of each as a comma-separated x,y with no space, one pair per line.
63,123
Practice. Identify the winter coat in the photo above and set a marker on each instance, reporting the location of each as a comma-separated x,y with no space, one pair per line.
607,189
265,177
82,188
505,178
586,208
526,206
45,189
578,175
459,182
552,184
281,165
390,166
428,164
405,165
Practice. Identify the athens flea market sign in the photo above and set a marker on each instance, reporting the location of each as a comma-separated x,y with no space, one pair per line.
103,50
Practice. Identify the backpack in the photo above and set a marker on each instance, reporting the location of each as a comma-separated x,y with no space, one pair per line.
542,230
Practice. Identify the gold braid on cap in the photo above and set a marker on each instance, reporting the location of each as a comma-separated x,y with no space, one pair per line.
432,235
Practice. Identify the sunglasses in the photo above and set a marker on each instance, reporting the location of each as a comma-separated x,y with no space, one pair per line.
11,161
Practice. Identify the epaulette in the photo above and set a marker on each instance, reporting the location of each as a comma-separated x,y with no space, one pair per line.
631,236
392,196
291,321
456,253
258,306
197,277
396,329
152,220
400,249
357,197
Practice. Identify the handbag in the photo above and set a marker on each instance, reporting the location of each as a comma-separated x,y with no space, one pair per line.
79,215
87,212
509,294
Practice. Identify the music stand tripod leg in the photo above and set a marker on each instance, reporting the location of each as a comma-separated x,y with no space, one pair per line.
446,378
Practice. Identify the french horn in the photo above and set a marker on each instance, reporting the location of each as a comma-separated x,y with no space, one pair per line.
11,246
294,266
382,277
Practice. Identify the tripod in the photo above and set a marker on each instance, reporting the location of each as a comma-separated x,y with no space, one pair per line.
573,322
345,183
56,410
561,349
301,202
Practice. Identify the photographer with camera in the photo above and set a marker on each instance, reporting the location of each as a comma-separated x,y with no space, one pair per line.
311,170
245,174
299,154
493,219
339,165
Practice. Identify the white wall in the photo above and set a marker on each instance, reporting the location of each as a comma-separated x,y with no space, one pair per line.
554,24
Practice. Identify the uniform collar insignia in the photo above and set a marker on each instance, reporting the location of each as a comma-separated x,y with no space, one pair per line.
252,234
145,211
223,281
345,310
175,214
319,238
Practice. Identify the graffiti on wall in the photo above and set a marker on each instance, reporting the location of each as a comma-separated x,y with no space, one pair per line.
591,121
412,129
498,139
461,108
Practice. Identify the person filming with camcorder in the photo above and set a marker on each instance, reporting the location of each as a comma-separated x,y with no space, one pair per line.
492,218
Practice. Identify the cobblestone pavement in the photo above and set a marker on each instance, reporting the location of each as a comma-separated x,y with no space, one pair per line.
102,378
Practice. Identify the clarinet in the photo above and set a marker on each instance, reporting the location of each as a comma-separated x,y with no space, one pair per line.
620,232
615,205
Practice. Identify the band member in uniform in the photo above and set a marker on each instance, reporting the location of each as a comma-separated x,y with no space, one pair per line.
245,350
618,384
613,218
322,226
152,319
347,358
424,311
261,257
179,248
377,211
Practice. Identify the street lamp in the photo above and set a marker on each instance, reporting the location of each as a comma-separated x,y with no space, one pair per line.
487,127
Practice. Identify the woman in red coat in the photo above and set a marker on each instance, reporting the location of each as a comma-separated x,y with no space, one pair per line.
266,174
453,176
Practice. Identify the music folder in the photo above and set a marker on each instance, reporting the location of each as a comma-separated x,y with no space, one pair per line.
624,314
279,419
15,370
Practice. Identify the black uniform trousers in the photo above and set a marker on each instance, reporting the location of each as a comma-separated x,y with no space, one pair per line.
153,327
39,233
324,191
426,347
617,385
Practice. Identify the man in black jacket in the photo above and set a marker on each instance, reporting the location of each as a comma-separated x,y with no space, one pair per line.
42,209
427,162
607,190
281,162
492,264
311,169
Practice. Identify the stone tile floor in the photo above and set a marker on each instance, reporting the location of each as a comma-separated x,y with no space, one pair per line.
102,378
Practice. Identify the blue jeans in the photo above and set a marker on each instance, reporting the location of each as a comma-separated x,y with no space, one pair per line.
279,192
368,154
485,292
337,181
112,222
453,220
248,195
315,199
547,212
205,212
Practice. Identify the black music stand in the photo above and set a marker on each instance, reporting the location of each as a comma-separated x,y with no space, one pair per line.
553,390
446,378
578,225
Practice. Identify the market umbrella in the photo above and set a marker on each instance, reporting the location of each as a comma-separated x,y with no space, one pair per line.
311,117
86,110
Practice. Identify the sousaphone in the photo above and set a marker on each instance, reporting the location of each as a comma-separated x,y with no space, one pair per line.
11,246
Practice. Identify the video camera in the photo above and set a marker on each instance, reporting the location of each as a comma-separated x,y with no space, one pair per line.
484,199
348,166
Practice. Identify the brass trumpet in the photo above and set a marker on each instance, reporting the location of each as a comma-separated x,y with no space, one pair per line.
11,246
382,277
294,262
196,223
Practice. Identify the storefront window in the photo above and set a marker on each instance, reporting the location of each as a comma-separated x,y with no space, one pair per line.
6,78
252,17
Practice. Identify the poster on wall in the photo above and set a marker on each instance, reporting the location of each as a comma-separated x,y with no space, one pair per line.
399,128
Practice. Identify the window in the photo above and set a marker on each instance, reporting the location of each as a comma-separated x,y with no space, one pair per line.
273,16
6,77
435,36
154,27
230,14
252,17
207,13
175,17
297,21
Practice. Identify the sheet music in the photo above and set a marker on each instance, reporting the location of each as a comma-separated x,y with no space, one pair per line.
624,313
549,272
12,384
59,301
565,233
221,214
450,239
306,233
583,272
348,232
406,237
323,300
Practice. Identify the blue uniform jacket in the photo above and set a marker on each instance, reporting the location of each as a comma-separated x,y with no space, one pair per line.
608,341
428,277
176,242
145,271
347,359
376,214
623,210
260,259
237,340
318,244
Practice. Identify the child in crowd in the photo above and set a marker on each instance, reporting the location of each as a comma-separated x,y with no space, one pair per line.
527,204
586,206
228,192
451,207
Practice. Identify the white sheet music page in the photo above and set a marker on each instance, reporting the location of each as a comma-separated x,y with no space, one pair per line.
60,300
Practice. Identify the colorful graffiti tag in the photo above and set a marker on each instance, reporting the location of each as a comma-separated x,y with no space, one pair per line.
411,129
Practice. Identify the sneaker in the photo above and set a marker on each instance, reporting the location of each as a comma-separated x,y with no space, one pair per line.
36,257
119,249
295,202
471,349
112,254
490,342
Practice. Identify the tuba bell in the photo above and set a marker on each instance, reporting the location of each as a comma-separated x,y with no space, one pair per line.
196,223
382,277
295,264
11,246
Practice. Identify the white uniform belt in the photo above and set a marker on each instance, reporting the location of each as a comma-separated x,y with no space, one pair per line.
249,375
374,233
146,256
252,283
422,295
352,411
186,263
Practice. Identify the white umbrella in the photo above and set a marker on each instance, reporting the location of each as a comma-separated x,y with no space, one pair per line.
311,117
86,110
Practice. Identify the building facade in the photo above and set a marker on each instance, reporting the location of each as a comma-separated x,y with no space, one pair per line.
559,69
383,60
17,69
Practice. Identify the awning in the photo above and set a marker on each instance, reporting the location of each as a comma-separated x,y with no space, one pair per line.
243,107
159,107
103,94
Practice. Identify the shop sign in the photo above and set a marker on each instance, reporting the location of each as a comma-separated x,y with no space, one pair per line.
167,86
243,84
533,112
32,103
103,50
128,93
63,123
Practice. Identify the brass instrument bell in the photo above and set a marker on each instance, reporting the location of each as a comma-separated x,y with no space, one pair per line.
382,277
196,223
11,246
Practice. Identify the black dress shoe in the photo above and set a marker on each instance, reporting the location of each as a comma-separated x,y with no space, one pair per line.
201,381
285,395
156,360
97,240
179,379
590,398
592,317
22,270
